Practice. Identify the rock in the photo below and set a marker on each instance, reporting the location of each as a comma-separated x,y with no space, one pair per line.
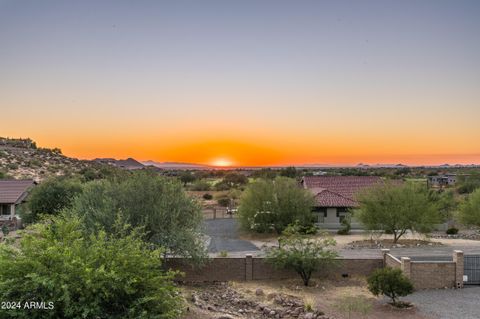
224,317
259,292
272,313
309,315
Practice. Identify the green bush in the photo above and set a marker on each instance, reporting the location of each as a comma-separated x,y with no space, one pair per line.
170,218
98,276
223,201
301,253
51,197
346,226
271,205
389,282
200,185
207,196
452,231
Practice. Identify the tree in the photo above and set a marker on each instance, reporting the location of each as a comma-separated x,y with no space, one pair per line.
389,282
470,209
98,276
235,179
396,209
302,254
187,178
289,172
51,197
271,205
200,185
170,218
468,183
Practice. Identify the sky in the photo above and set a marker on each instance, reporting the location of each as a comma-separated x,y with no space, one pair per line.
251,82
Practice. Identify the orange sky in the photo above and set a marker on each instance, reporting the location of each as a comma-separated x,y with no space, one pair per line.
250,83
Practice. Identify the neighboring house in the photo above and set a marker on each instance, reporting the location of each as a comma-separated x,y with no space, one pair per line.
12,193
335,196
442,180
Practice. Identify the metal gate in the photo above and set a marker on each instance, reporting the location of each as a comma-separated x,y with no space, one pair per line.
471,269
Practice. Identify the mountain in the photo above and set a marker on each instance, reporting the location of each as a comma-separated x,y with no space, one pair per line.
129,163
175,165
21,158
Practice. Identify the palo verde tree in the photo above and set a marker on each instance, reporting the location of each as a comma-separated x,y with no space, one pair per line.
302,253
271,205
396,209
470,209
170,218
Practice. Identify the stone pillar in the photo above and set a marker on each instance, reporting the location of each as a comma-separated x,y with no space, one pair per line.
458,260
248,267
406,267
385,251
12,211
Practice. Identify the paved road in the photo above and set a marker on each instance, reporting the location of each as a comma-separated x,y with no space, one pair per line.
224,236
448,303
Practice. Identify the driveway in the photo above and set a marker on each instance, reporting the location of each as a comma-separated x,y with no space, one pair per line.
224,236
448,303
446,250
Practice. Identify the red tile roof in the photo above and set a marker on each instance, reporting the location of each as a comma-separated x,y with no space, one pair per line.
338,191
14,191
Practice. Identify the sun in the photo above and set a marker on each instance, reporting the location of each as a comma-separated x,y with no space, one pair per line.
222,162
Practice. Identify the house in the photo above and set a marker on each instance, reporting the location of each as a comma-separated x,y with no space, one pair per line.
335,196
442,180
12,193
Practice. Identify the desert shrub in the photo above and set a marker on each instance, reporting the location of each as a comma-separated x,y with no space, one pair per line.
301,253
12,166
349,304
50,197
470,209
452,231
200,185
346,226
5,230
207,196
98,276
389,282
224,201
223,254
170,218
271,205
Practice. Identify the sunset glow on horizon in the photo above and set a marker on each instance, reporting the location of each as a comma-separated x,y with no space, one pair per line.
244,83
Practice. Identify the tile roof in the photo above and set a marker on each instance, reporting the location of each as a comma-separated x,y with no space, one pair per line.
338,191
14,191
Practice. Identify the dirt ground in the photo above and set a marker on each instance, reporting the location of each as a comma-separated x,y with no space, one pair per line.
324,295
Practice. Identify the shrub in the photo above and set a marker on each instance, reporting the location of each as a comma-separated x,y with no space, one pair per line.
389,282
302,254
452,231
346,226
349,304
223,201
271,205
170,218
207,196
223,253
200,185
470,209
5,230
98,276
51,197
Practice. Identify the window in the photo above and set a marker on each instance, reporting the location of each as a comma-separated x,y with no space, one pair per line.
320,214
5,209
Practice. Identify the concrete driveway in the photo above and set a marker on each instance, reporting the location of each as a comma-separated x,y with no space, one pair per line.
224,236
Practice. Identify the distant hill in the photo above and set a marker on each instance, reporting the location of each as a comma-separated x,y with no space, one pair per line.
21,158
129,163
175,165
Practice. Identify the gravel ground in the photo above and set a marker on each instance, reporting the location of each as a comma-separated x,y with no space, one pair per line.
448,303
